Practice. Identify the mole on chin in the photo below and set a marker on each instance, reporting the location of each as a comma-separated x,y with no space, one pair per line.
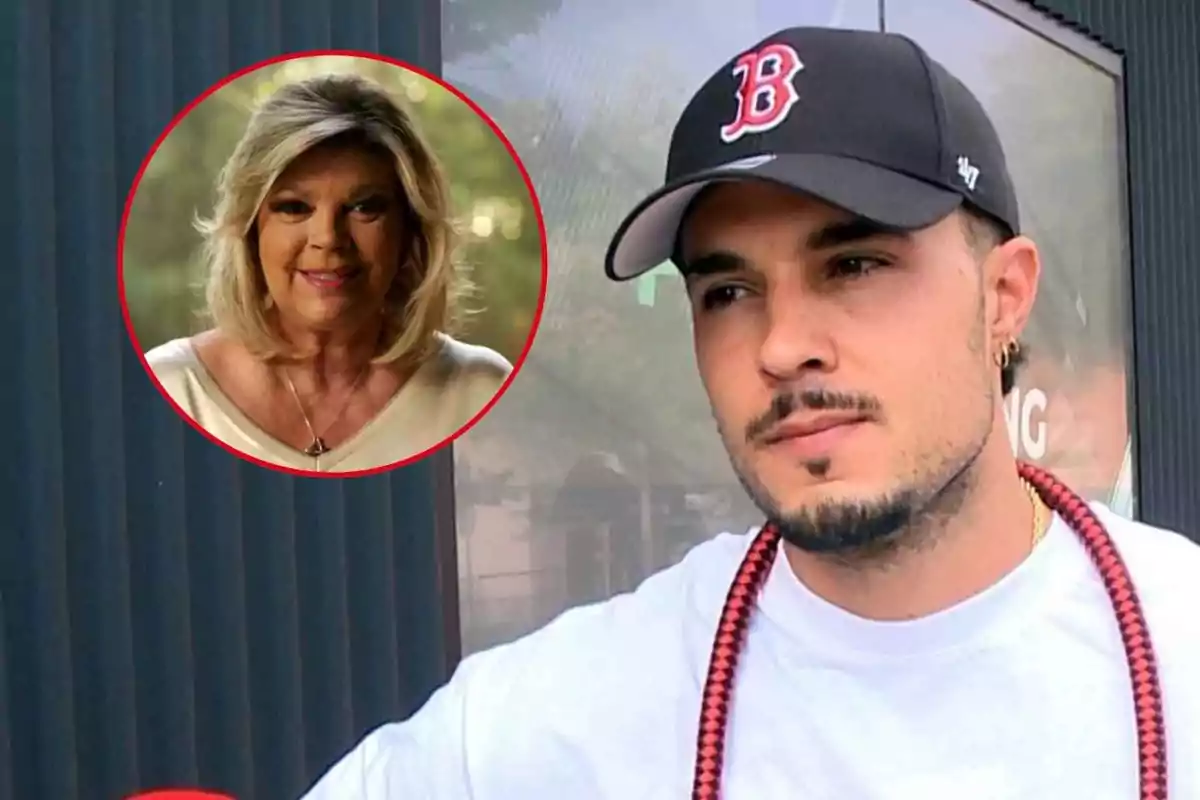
818,468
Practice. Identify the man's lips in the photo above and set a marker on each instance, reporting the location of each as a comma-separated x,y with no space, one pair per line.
811,436
798,428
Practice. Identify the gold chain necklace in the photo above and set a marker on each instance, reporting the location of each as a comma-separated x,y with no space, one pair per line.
318,447
1040,525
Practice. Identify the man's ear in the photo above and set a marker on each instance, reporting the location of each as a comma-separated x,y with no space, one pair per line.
1011,274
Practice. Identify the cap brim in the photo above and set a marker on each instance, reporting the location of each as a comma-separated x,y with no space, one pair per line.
647,236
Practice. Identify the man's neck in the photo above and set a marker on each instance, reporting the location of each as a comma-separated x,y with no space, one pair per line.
937,567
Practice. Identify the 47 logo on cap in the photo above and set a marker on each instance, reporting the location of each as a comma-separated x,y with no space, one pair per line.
766,92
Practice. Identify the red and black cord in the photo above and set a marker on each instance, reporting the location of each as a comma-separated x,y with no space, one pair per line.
1143,670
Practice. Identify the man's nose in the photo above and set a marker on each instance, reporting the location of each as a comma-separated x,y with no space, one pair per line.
797,337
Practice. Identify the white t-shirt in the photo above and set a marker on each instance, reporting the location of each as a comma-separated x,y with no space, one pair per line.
1019,693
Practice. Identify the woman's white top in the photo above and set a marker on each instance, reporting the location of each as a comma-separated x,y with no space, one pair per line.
442,396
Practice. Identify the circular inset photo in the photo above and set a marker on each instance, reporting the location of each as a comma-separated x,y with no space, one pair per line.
332,264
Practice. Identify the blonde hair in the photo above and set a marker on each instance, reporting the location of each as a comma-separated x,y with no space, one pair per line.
293,120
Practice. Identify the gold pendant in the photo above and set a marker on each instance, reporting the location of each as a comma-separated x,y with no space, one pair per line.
317,448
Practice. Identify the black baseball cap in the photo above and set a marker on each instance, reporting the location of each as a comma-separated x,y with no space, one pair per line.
864,121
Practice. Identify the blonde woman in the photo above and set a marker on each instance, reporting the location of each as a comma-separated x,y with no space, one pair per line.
333,291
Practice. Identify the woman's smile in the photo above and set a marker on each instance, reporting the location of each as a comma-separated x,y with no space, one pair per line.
332,280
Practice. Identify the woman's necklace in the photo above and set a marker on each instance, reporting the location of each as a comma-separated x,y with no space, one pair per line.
318,447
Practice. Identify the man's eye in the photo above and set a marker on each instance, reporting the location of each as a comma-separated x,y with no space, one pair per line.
854,266
720,296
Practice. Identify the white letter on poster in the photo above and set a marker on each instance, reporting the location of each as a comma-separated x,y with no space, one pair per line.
1034,439
1024,432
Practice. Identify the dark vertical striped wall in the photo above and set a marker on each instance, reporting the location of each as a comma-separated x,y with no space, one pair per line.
171,615
1160,40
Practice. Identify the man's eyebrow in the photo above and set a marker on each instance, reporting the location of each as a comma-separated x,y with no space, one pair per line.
850,231
835,234
719,262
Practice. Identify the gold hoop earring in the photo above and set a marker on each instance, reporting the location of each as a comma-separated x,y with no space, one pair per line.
1004,357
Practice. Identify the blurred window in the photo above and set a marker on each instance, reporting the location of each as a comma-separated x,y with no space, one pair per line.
601,464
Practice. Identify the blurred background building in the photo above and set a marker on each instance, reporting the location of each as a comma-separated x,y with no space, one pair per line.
173,616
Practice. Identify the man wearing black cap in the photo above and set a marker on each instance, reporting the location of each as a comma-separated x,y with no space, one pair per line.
920,616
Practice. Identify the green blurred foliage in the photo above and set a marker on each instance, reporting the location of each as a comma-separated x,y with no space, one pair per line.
501,239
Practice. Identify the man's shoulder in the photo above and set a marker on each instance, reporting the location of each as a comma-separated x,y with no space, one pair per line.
560,682
661,602
1165,567
638,638
591,691
1163,561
